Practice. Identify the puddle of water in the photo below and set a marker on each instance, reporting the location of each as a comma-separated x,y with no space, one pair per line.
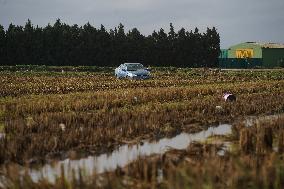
123,155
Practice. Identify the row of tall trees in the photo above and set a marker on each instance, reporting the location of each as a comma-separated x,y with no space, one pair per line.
61,44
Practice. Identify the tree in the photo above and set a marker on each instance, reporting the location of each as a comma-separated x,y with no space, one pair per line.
182,53
74,42
104,48
28,40
62,44
172,38
14,45
164,48
88,45
136,50
38,47
2,45
213,47
172,35
119,45
197,49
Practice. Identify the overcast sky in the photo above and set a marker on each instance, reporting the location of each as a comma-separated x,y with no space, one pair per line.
236,20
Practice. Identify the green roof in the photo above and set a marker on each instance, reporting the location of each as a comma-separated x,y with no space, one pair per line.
268,45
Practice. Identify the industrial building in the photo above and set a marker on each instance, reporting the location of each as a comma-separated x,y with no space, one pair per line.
252,55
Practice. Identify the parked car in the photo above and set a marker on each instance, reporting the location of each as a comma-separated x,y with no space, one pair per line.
132,71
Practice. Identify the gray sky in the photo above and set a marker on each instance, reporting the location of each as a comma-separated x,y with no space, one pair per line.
236,20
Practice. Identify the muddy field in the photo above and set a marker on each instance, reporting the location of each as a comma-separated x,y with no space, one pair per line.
71,116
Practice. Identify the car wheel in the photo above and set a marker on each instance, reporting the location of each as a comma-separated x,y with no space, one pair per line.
128,77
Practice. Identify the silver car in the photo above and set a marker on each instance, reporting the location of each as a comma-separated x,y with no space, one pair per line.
132,71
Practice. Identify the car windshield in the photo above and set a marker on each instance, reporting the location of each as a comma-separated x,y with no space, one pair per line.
134,67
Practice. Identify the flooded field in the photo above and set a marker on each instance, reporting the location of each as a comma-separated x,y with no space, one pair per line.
124,155
79,130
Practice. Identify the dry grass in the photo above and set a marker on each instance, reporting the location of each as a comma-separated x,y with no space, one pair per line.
45,116
199,166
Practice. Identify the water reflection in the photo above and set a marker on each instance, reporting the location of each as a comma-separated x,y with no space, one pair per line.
124,155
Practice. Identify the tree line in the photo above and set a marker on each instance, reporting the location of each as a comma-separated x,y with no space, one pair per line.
64,45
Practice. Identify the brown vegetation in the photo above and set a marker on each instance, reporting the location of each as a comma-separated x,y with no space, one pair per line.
199,166
45,116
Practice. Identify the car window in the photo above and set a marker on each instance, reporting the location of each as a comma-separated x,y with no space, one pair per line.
134,67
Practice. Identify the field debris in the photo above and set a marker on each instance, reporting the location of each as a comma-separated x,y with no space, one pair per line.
229,97
219,109
62,126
